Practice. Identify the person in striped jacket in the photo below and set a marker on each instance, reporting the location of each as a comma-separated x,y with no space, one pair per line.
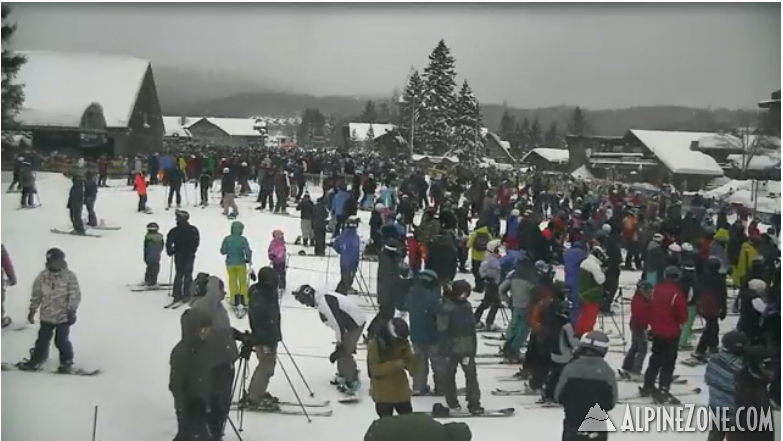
719,377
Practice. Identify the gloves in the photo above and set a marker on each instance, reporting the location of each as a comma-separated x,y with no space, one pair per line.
245,350
338,349
722,314
71,317
31,317
253,276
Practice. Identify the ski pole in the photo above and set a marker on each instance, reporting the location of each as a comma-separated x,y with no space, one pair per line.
95,423
171,276
298,371
293,389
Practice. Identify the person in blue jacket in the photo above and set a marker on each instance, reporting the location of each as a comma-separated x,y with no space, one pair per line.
512,227
348,246
509,261
423,303
572,258
338,209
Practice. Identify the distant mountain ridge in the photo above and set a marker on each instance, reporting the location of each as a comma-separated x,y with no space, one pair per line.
204,95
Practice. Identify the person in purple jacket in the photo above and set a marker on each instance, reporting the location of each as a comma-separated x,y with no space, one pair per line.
9,279
348,246
572,258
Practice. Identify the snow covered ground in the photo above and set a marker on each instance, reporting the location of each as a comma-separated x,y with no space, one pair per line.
129,335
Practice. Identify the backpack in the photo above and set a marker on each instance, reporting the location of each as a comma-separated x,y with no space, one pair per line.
480,241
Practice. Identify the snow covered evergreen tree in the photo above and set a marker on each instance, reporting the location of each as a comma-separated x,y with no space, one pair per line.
535,136
411,103
437,121
467,125
12,94
369,142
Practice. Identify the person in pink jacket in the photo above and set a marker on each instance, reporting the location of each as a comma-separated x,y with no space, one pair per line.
9,279
278,256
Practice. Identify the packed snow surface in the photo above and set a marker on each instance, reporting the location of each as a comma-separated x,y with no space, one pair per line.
130,336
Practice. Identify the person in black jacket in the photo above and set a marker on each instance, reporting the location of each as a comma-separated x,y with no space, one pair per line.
319,222
75,204
204,183
264,314
585,382
182,241
306,207
174,177
190,375
90,197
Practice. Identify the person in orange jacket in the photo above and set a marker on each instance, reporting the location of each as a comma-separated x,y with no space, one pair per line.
140,184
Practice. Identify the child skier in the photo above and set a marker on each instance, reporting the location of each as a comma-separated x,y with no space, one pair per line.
389,360
585,382
489,271
559,341
640,319
278,256
153,249
238,256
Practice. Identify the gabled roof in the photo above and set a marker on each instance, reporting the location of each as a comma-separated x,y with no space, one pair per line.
238,126
504,146
60,86
556,156
361,130
178,125
673,149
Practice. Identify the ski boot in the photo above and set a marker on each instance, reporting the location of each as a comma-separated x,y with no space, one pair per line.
699,358
337,380
306,242
632,376
65,367
349,388
522,374
647,391
29,364
298,240
475,409
269,403
663,396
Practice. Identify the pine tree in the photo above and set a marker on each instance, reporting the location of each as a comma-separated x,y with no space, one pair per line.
437,122
535,135
370,113
12,94
411,103
354,142
578,124
507,127
369,141
467,124
552,137
523,137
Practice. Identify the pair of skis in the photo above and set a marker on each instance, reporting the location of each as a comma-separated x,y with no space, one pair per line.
314,408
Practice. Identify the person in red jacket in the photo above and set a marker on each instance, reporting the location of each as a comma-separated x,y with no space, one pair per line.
668,311
640,319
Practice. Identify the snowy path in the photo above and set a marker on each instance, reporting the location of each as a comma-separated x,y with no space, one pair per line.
130,336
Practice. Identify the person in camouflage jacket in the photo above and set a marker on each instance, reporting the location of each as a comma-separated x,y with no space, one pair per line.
55,297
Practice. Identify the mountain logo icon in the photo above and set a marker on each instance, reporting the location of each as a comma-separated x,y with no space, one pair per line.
597,420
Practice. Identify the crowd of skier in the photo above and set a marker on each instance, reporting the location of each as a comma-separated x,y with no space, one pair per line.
689,259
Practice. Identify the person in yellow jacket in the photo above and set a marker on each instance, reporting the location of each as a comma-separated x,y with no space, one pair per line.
183,165
746,255
477,244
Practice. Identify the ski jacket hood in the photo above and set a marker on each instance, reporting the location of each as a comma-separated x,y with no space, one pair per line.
237,228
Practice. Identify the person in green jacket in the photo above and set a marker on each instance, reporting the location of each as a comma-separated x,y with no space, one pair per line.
416,427
238,256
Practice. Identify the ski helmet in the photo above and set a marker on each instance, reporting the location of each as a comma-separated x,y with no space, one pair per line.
542,268
55,255
599,253
398,328
686,247
594,343
153,226
493,246
428,278
201,284
305,295
352,222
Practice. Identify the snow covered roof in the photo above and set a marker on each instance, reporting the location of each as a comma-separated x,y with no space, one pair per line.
756,162
238,126
582,173
505,146
177,126
673,149
557,156
722,141
60,86
361,129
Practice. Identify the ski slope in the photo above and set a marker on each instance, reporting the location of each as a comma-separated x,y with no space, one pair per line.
129,335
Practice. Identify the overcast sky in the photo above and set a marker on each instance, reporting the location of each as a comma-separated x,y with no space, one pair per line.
528,56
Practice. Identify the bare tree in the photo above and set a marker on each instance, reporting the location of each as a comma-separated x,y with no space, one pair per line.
750,140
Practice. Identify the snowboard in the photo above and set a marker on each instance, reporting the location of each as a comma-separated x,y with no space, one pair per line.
72,233
488,413
81,372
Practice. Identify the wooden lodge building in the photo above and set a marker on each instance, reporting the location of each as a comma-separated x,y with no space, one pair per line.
93,104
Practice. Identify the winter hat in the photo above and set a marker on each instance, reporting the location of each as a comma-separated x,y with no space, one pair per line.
672,272
493,246
278,234
722,235
267,277
687,247
428,276
515,212
657,237
606,227
674,248
757,285
379,206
